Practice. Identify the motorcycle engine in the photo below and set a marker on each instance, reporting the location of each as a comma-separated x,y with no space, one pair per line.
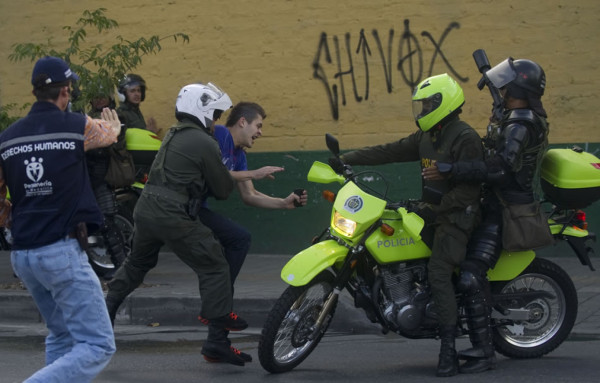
406,291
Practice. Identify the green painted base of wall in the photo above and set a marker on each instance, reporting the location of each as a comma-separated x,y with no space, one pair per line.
289,231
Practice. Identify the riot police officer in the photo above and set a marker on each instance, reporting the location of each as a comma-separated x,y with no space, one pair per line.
515,148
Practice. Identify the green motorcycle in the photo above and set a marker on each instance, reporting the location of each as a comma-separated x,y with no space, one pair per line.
378,250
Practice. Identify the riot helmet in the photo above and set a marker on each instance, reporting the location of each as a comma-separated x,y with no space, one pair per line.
128,81
522,79
202,103
434,99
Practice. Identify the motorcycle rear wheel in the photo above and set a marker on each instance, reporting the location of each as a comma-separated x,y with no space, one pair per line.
285,340
551,319
97,253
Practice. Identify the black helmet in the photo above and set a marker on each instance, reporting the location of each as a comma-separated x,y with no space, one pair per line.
129,81
523,79
530,76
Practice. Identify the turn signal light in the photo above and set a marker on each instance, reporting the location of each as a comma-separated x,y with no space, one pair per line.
387,229
329,195
581,219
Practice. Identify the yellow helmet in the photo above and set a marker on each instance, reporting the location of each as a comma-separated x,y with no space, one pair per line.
434,99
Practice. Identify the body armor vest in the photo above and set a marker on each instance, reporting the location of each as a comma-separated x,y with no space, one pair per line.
522,142
437,146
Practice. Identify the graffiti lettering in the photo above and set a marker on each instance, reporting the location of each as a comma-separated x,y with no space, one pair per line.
409,64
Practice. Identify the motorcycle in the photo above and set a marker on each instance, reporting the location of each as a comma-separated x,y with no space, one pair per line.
377,250
143,146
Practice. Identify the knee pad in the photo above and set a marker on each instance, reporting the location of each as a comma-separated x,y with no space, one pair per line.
486,244
469,282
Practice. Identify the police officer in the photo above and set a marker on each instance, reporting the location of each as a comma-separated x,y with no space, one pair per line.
187,167
132,92
515,151
43,163
442,136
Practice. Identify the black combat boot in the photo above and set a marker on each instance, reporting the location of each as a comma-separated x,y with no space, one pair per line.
246,357
477,301
481,357
217,347
448,360
112,305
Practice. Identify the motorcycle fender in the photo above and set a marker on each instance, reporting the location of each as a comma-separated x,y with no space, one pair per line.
308,263
510,265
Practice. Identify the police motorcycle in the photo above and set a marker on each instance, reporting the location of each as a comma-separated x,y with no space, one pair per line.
143,146
377,250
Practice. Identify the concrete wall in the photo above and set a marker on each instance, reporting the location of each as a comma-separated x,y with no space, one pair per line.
269,51
344,67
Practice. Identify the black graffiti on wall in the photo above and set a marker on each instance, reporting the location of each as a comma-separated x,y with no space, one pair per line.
409,63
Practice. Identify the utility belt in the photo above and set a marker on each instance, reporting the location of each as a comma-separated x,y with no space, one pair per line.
192,204
165,192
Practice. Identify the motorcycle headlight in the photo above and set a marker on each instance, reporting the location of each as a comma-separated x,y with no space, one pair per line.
344,225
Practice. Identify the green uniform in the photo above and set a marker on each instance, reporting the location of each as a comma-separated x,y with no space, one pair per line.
456,206
189,159
131,116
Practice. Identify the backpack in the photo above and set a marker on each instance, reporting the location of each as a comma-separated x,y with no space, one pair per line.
121,169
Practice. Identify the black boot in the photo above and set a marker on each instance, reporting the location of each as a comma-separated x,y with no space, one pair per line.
217,347
477,300
112,305
246,357
481,357
448,360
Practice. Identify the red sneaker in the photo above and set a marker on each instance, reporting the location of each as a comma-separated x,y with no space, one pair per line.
247,358
220,352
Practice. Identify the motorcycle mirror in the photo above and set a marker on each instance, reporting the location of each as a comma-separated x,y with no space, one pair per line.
332,144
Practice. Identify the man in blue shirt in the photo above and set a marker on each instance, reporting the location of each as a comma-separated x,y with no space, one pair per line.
244,125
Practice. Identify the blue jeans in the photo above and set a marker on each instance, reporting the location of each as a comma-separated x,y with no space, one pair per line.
68,294
233,237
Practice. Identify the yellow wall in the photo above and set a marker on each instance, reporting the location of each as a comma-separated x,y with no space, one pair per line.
265,51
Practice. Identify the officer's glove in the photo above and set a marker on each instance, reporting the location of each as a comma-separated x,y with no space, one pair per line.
444,167
336,164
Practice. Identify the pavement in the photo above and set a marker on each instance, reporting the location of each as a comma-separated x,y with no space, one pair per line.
169,296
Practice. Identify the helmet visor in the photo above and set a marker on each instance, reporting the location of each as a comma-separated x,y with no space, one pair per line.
215,89
503,73
423,107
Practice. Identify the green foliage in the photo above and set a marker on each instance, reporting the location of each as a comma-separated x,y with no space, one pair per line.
5,118
98,67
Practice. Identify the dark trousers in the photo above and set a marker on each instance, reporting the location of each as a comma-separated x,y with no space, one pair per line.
192,242
234,238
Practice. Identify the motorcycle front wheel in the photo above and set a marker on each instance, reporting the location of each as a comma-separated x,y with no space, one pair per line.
551,317
288,334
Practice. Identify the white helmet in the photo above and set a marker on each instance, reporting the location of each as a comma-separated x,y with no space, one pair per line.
203,102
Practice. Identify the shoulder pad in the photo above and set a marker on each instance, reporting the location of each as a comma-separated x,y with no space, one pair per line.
525,115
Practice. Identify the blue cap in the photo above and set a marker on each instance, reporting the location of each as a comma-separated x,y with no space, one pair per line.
51,70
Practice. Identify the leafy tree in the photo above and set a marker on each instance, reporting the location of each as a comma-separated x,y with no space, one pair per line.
100,68
5,118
